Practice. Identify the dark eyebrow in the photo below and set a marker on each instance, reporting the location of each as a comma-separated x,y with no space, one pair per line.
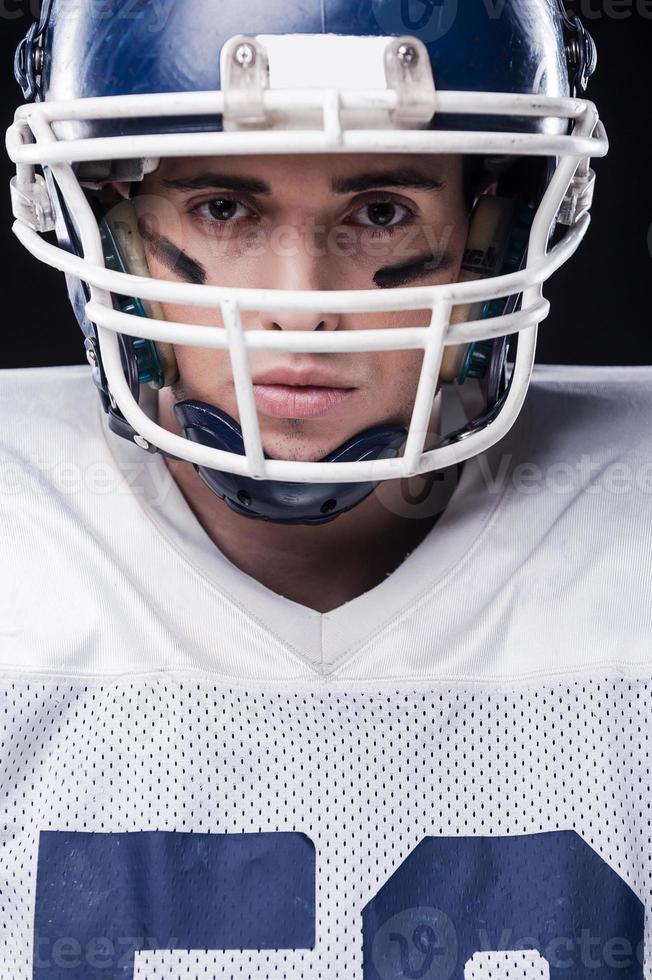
205,181
406,177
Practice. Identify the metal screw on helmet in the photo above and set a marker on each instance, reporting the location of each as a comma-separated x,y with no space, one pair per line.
141,442
581,52
573,52
407,54
245,55
91,357
578,55
38,60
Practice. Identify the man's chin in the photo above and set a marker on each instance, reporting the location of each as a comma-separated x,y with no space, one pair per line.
297,450
299,456
297,443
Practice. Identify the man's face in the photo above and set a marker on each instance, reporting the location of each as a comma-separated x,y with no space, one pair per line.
319,222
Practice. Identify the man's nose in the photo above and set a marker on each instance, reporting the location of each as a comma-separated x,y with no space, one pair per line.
298,270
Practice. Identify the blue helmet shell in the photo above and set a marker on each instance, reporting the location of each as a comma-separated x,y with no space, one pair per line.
133,47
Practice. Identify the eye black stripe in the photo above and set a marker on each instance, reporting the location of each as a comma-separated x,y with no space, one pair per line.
394,275
174,258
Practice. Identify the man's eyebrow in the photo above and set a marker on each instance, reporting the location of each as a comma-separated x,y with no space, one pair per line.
206,181
406,177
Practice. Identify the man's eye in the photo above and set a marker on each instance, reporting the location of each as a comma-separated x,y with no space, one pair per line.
222,209
382,214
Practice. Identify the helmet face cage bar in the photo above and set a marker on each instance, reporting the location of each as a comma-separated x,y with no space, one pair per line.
327,120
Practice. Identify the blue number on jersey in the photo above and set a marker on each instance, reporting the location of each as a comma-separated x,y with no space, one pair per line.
453,897
102,897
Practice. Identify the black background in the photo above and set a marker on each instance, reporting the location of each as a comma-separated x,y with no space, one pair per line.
600,298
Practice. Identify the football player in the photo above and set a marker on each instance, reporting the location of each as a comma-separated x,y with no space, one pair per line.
339,666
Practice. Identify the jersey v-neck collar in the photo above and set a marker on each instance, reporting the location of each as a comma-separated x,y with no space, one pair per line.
324,641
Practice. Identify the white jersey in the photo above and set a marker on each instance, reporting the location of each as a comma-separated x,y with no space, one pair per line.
447,778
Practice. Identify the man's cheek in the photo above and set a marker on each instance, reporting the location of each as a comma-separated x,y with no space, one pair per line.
404,383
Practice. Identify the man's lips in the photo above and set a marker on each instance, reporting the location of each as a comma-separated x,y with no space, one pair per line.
298,402
298,394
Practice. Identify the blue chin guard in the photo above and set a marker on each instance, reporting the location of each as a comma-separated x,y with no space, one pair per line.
283,503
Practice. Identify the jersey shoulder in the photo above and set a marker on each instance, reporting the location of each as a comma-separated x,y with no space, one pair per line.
45,411
556,526
595,401
50,433
599,415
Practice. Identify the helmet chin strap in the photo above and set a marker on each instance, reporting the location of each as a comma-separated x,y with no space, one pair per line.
283,503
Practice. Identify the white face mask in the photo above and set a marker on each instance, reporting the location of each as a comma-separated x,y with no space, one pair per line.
298,93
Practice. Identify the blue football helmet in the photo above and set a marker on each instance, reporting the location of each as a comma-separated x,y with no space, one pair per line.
113,91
